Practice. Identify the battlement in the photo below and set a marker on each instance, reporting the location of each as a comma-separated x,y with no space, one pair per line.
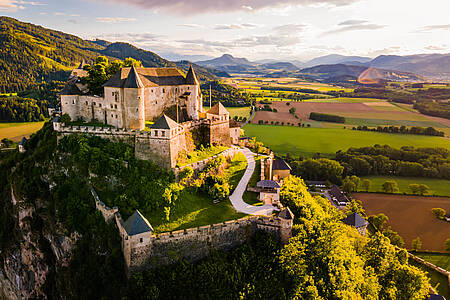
147,250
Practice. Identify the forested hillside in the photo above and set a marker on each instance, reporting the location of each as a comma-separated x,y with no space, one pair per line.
31,54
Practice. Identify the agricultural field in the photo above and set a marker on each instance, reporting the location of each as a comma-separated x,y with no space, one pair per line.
195,209
16,131
411,217
239,111
438,187
370,113
309,141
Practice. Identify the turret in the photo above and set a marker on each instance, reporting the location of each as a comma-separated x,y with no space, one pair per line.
195,105
134,101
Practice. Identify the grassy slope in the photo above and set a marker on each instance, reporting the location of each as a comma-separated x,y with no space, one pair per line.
438,259
15,131
307,141
195,209
438,187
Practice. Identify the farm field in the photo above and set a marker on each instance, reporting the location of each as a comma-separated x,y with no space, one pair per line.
194,209
356,113
239,111
15,131
309,141
438,187
411,217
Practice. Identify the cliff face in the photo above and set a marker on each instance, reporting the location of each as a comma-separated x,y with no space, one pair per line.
42,249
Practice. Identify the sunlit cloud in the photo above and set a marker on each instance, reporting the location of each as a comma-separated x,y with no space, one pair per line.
115,20
353,25
15,5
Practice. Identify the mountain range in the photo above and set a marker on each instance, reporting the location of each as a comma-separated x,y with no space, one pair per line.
31,54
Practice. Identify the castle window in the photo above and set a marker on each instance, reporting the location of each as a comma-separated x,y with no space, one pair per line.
156,133
189,88
116,116
99,105
112,116
112,106
86,103
163,133
164,90
176,89
115,106
141,240
137,109
73,101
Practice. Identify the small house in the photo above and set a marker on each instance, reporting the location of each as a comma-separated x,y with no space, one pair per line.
21,145
356,221
235,132
269,192
338,196
280,169
447,217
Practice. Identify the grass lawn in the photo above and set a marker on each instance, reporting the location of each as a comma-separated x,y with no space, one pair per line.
308,141
438,187
438,259
194,209
199,155
252,197
15,131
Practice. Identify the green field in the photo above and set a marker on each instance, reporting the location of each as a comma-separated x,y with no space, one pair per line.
438,259
393,122
344,100
15,131
194,209
239,111
438,187
308,141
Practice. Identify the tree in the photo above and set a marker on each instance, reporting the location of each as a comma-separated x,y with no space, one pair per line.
423,189
394,237
348,185
378,221
438,213
65,118
416,244
414,188
390,186
366,183
447,245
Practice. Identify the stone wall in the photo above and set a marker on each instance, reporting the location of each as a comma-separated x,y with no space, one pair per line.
147,250
220,132
200,165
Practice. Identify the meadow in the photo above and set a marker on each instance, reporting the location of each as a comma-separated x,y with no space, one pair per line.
438,187
239,111
15,131
309,141
194,208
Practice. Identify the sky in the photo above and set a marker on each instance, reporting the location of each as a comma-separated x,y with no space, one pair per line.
255,29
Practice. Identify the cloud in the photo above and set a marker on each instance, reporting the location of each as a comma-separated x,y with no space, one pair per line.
289,29
73,21
15,5
436,48
434,27
191,25
227,26
202,6
353,25
115,20
352,22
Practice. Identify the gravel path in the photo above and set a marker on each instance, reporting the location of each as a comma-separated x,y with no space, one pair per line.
236,197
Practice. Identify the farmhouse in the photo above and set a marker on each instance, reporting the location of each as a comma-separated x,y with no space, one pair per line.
134,98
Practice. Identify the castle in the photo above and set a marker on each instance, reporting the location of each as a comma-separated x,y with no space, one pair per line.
145,102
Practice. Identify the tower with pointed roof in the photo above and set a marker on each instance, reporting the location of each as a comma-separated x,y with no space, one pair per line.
133,107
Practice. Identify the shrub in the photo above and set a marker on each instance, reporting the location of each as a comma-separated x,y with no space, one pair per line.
65,118
416,244
438,213
447,245
390,186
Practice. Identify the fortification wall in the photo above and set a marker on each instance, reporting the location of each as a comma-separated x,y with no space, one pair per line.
220,133
86,108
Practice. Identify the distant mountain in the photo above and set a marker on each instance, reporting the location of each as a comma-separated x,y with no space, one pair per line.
172,56
225,60
338,72
432,65
336,59
287,66
203,73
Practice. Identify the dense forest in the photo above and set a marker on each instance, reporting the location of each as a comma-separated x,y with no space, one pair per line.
324,260
18,109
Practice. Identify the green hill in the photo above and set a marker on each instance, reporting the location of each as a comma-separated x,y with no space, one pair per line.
30,54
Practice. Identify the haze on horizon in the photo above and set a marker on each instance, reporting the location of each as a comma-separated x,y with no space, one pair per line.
255,29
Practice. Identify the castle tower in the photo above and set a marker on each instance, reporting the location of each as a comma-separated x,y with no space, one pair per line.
195,107
133,98
287,221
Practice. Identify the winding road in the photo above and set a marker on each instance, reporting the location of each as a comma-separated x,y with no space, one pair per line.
236,197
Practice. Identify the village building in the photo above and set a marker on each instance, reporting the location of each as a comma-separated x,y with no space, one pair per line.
338,196
269,192
21,145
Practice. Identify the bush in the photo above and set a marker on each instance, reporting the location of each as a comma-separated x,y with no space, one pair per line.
438,213
416,244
